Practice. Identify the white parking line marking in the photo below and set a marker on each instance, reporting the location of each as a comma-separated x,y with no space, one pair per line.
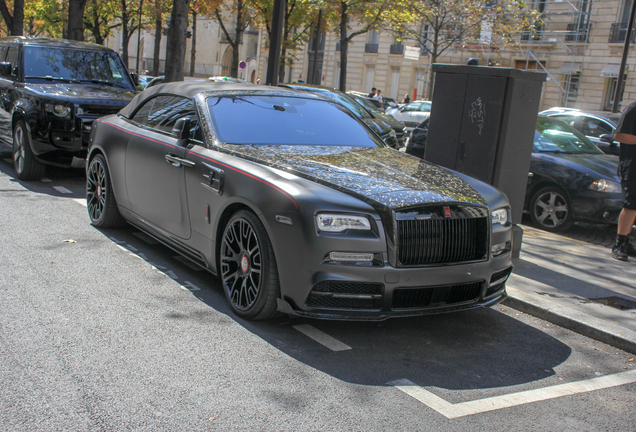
117,241
190,286
172,275
62,189
80,201
45,180
322,338
462,409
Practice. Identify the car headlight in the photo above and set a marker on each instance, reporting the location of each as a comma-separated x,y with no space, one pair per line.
340,222
603,185
500,216
58,109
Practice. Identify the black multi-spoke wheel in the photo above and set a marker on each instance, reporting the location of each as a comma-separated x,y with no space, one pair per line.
27,167
248,267
100,200
550,209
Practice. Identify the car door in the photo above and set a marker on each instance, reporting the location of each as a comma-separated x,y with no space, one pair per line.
156,164
6,87
593,128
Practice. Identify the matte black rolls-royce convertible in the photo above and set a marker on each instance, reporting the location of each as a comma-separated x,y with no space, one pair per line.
297,205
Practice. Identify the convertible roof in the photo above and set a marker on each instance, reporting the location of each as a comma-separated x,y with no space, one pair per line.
193,87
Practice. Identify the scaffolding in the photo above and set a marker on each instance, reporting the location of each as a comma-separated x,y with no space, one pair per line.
562,38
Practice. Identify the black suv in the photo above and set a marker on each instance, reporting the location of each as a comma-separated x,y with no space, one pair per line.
51,90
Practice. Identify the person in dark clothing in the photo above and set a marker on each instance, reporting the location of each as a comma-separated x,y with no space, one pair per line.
626,136
372,94
406,99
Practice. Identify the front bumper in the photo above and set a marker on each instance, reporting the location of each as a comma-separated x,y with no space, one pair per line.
377,293
598,207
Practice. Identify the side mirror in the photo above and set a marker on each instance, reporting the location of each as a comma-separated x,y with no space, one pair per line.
135,78
181,131
607,138
5,69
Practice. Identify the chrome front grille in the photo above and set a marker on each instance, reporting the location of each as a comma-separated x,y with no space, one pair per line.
441,235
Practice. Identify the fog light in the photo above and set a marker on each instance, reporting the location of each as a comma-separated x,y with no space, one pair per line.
350,257
500,249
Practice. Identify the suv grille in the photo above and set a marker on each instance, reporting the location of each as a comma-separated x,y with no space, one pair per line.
428,236
346,295
415,298
99,110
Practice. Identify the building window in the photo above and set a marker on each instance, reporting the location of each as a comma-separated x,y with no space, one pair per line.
609,96
571,88
370,76
372,42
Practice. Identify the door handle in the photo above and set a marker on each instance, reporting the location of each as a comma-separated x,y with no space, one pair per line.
178,162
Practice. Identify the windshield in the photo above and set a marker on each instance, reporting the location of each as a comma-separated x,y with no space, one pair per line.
554,136
48,64
367,104
283,120
347,101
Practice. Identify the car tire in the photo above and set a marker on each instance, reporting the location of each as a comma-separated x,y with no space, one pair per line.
27,167
550,209
100,199
248,268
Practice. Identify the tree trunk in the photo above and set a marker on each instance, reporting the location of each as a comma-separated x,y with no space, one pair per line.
15,23
158,32
176,49
124,34
76,19
237,40
193,50
343,46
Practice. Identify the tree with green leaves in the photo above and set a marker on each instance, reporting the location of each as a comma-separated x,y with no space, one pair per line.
440,25
45,18
299,18
100,19
14,21
370,14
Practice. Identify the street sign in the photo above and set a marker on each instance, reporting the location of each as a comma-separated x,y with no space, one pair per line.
412,53
242,65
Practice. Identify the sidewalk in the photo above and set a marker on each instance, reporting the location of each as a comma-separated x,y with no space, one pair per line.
576,285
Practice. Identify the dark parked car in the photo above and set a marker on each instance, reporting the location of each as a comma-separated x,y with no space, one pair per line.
597,127
570,179
416,142
304,212
397,126
379,126
52,90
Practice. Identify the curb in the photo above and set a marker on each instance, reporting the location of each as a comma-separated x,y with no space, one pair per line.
569,318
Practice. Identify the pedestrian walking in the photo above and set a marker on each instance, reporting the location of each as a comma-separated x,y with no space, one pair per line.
378,97
626,136
372,94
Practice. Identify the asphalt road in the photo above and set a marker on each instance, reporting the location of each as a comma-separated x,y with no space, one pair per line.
109,331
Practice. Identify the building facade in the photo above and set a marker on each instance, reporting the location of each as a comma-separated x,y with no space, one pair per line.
579,47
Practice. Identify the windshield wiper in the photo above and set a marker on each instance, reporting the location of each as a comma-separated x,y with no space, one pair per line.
108,83
50,78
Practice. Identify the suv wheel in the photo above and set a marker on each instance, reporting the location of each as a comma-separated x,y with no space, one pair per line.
27,167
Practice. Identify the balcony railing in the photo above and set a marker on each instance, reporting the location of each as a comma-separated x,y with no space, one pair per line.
371,48
577,33
618,31
397,49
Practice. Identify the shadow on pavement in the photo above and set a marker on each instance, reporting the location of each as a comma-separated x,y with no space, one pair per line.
478,349
57,175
